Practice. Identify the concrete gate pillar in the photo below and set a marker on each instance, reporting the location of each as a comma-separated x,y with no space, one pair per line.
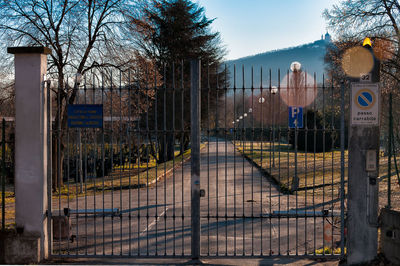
31,149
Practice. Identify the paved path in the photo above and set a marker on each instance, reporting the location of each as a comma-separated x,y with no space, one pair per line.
156,220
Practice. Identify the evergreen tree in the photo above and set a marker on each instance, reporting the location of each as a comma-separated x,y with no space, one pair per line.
172,33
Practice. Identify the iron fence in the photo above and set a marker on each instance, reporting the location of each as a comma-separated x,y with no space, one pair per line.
390,179
240,175
274,187
121,189
7,174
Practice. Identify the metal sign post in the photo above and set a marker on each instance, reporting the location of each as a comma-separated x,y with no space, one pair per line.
363,168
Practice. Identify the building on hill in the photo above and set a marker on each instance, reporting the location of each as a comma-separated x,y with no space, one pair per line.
328,37
310,55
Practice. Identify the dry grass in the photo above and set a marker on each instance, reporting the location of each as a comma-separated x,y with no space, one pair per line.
123,177
318,173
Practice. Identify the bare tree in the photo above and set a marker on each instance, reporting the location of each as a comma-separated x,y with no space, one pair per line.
83,35
380,19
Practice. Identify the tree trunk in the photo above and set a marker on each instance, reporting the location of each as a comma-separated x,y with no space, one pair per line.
166,150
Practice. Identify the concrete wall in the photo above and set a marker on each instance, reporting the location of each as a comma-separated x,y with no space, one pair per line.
19,248
390,235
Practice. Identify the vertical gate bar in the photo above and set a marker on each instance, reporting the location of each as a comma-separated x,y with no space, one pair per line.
86,172
314,169
332,162
270,161
94,157
296,177
288,162
226,167
342,195
157,151
195,161
77,185
79,170
130,166
305,158
173,156
243,151
270,119
138,135
102,162
216,132
389,171
182,150
49,173
208,162
68,171
252,158
165,156
112,163
260,101
234,159
3,175
279,161
121,165
226,160
323,159
59,178
76,159
148,140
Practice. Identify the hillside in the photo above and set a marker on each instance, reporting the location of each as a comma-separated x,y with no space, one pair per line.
311,57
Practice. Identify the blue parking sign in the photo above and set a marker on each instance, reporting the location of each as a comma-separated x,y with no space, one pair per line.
295,117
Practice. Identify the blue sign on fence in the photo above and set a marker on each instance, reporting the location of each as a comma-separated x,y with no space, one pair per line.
295,117
85,115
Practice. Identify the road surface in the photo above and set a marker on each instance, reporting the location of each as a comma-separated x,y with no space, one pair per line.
235,215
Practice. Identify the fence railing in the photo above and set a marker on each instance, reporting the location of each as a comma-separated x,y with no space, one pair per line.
391,180
7,174
3,176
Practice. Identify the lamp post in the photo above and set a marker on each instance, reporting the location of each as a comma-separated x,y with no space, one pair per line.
274,90
295,67
232,129
244,132
241,132
237,126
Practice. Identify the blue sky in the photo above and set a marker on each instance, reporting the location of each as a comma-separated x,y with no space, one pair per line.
249,27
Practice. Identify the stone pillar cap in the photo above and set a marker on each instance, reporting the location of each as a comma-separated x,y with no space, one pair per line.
29,50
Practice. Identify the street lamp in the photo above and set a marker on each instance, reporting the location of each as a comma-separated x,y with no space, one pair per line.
295,66
261,100
245,114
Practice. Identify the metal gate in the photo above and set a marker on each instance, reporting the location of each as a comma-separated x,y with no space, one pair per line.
176,163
